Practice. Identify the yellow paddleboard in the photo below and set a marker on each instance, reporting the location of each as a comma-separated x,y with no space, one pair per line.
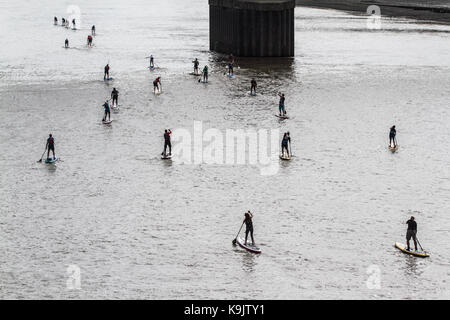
402,248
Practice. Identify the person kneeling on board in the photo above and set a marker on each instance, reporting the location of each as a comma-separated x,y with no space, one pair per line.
50,146
253,87
248,227
107,111
115,97
392,140
284,144
281,107
167,142
411,232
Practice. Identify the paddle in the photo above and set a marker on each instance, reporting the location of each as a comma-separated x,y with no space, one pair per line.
419,244
234,240
40,160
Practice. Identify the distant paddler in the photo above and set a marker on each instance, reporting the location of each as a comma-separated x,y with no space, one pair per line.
253,87
411,232
152,62
230,69
107,111
248,216
93,30
66,43
55,21
167,143
50,146
157,86
196,64
115,97
281,106
89,41
205,75
106,74
285,142
392,137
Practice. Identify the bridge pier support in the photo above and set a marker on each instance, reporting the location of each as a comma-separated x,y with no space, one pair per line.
252,28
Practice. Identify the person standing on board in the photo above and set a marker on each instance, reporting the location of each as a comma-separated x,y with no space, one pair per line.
93,30
66,43
231,58
253,87
106,75
115,97
411,232
74,25
89,41
230,69
55,21
167,142
63,22
196,63
50,146
392,139
281,107
205,74
157,86
152,62
107,111
285,144
248,226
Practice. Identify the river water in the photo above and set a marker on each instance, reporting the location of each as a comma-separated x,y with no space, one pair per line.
130,225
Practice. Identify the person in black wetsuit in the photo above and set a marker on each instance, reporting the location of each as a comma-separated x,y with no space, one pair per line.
115,97
107,111
55,21
106,75
248,226
66,43
285,144
411,232
74,25
196,64
392,139
50,146
230,69
93,30
167,142
63,22
253,87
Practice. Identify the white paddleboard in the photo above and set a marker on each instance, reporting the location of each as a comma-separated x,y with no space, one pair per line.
106,121
254,249
392,148
166,157
283,157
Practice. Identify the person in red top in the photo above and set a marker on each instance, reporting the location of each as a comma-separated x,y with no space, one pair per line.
157,85
89,41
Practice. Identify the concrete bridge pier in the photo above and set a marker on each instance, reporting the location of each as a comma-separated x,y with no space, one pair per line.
252,28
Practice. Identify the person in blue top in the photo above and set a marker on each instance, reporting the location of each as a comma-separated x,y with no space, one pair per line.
285,144
230,69
281,107
107,111
50,146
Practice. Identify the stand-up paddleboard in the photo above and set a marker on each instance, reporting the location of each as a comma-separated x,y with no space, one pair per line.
281,117
284,157
51,160
108,79
230,75
203,81
403,249
157,92
166,156
151,68
106,121
251,94
195,74
247,246
392,148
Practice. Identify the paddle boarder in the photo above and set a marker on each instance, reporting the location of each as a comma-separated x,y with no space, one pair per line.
205,74
93,30
74,25
253,87
152,62
281,107
285,144
55,21
115,97
63,22
50,146
89,41
106,75
248,226
157,85
392,139
107,111
411,232
196,64
66,43
167,142
230,69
